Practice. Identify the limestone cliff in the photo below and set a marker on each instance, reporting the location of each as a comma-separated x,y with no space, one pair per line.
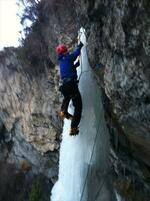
28,117
30,100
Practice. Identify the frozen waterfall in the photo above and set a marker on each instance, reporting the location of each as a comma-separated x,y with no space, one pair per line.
84,172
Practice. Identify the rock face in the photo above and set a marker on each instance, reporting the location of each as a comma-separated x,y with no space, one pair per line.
28,117
58,24
30,100
118,33
124,49
119,52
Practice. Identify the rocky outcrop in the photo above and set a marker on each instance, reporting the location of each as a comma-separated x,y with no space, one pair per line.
119,52
28,115
30,100
17,185
119,39
56,24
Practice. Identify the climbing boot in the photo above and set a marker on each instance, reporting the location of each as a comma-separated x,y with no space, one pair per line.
61,114
65,115
68,116
74,131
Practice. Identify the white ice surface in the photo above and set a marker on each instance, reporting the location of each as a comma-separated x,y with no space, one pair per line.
83,165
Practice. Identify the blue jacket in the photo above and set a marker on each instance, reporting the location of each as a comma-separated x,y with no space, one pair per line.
66,63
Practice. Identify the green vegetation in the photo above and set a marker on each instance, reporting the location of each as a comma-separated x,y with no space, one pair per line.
34,51
15,185
36,191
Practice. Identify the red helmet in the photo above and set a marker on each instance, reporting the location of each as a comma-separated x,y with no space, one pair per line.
60,49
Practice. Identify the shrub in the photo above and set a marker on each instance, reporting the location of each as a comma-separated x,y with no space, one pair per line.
36,191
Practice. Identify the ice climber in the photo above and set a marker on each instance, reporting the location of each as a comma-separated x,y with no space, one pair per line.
69,87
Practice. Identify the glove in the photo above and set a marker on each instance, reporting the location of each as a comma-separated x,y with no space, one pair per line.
80,45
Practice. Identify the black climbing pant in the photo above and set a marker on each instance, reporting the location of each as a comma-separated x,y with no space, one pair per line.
70,91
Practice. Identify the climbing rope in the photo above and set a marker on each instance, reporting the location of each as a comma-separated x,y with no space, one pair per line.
99,190
95,140
89,163
103,175
82,72
101,186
